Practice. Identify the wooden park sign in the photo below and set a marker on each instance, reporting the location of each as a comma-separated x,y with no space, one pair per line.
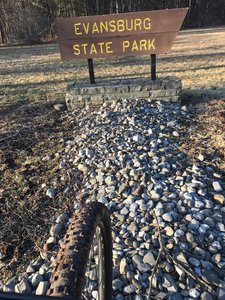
139,33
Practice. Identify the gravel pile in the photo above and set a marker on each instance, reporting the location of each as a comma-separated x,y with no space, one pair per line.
167,211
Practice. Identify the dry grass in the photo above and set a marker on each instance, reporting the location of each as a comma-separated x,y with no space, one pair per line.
206,132
30,138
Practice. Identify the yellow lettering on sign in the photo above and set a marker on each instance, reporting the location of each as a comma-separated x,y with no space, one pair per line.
86,27
93,49
76,28
126,44
76,49
112,25
143,44
104,27
147,23
120,25
138,45
95,28
108,47
151,44
135,46
101,47
137,24
84,48
131,25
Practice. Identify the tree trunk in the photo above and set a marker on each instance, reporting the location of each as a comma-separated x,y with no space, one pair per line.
5,25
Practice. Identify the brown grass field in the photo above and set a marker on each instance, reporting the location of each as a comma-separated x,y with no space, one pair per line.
33,78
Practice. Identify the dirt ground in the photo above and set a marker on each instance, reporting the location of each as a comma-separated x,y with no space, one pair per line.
32,132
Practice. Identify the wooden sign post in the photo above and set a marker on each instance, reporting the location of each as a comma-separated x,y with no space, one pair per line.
128,34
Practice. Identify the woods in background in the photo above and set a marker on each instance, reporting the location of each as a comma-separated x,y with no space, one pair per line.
31,21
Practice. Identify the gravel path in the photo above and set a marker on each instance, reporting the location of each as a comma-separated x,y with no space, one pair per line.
160,201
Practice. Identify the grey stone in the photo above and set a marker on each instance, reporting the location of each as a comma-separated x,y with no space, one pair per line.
182,258
169,231
51,193
206,296
149,259
138,297
23,287
117,284
143,267
175,296
176,134
109,180
35,279
162,295
194,261
220,294
124,211
42,288
136,283
207,265
167,217
217,186
62,218
208,204
138,138
188,196
132,227
179,233
217,258
119,297
93,275
133,207
194,224
83,168
190,237
129,289
168,281
220,227
42,271
9,288
123,266
104,200
199,204
155,195
60,107
210,277
159,211
30,269
89,153
56,229
194,293
137,259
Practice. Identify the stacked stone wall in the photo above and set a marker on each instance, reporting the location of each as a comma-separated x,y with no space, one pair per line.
80,95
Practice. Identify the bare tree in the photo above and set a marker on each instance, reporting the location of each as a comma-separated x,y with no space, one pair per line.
31,20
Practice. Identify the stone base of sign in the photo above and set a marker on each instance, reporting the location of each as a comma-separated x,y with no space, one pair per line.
80,95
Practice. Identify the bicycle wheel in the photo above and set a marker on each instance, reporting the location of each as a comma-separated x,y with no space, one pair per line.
84,263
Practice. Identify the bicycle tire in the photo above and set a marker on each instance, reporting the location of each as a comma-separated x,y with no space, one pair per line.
68,275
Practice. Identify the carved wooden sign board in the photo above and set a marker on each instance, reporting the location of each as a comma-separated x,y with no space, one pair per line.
139,33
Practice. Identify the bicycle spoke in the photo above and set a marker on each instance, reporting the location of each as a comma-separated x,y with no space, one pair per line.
94,281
